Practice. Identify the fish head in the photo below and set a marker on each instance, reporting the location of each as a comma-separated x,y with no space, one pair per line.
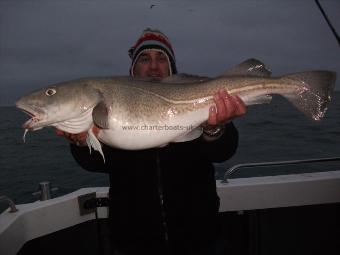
56,103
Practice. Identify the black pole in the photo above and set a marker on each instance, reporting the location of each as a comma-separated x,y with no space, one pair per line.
328,21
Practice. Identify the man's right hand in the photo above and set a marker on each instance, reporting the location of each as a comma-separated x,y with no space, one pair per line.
77,139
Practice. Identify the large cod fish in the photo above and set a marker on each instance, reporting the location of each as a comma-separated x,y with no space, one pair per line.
138,114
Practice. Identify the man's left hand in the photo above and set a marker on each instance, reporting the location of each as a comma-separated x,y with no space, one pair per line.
227,108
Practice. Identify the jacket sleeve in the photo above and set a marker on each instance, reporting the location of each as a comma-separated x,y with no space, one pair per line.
94,161
221,149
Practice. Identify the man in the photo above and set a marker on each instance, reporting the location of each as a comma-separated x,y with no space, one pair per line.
164,200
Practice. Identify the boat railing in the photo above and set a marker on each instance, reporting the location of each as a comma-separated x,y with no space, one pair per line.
235,168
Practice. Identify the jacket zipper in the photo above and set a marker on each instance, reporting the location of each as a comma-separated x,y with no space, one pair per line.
161,201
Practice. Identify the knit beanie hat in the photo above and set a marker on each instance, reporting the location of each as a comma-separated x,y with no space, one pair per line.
152,39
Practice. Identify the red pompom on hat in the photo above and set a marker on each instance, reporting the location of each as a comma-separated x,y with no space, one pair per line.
152,39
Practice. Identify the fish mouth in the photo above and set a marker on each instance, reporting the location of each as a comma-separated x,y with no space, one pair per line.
31,123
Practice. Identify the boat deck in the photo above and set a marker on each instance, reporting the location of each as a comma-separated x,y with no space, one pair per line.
286,214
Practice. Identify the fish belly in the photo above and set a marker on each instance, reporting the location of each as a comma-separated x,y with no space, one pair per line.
140,136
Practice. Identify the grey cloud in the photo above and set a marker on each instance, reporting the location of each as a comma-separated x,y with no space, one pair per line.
43,42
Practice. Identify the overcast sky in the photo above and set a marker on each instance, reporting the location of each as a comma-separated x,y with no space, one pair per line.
44,42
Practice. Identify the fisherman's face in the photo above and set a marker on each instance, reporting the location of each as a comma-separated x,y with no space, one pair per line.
152,64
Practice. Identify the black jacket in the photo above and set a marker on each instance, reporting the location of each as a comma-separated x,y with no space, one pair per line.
163,198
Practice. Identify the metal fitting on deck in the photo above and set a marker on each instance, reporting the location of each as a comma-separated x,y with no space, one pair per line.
44,190
9,202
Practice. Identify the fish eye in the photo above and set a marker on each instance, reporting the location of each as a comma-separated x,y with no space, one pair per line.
50,92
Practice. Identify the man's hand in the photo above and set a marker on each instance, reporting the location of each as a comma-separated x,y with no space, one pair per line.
227,108
77,139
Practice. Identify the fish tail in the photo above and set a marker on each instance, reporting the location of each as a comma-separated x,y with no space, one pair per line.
314,92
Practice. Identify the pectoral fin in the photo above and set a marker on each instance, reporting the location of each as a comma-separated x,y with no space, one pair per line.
100,115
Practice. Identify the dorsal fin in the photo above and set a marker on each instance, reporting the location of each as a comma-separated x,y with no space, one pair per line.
252,67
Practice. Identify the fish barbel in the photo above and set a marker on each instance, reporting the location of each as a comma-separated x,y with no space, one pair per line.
136,114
